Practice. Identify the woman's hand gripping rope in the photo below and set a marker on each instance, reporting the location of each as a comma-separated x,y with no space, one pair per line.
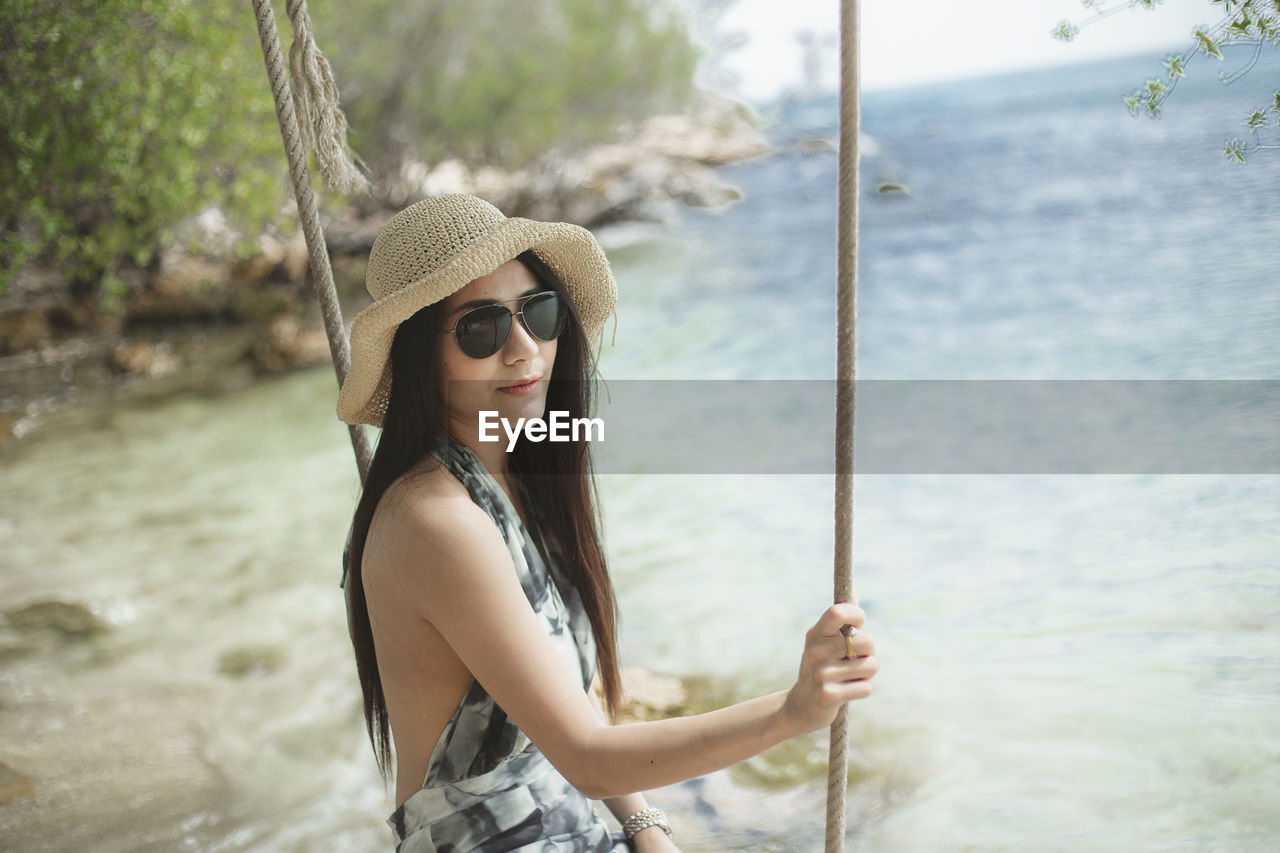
834,669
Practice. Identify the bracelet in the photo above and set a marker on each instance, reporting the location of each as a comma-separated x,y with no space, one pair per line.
645,818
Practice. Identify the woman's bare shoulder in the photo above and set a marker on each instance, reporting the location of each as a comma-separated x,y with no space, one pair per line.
427,521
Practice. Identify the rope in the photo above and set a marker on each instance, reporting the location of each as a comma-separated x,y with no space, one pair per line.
295,148
315,98
846,354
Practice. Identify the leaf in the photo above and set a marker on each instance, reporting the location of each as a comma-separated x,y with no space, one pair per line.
1206,43
1065,31
1175,66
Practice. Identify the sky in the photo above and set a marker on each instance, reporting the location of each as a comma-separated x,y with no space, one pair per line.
906,42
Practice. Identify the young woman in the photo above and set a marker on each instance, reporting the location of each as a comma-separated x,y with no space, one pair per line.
479,599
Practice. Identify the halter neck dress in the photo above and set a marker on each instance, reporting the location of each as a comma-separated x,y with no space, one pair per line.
488,789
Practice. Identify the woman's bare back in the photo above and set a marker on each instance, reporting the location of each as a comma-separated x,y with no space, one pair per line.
422,678
455,574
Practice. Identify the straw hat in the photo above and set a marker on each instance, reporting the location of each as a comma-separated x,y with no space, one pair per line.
436,247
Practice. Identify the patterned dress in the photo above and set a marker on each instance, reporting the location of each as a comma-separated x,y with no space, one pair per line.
488,788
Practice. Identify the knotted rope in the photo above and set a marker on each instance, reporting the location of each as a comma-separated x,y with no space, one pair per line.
315,97
846,354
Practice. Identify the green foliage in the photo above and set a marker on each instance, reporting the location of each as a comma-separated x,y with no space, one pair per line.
1205,43
1176,67
124,117
499,81
1254,23
121,118
1065,31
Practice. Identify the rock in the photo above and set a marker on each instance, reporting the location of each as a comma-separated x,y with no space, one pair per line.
287,343
67,618
649,165
348,275
816,145
488,180
184,287
73,314
38,305
124,768
650,696
14,786
717,132
145,359
296,259
208,232
354,233
33,286
698,186
182,274
785,766
250,660
13,649
277,260
261,266
261,301
23,330
449,176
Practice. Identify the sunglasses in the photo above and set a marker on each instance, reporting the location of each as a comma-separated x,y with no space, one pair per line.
483,331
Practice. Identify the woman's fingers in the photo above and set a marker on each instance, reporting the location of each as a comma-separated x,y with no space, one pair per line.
836,617
835,668
848,691
856,645
823,649
845,681
849,669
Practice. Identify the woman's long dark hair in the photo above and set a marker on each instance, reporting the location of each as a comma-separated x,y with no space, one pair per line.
566,498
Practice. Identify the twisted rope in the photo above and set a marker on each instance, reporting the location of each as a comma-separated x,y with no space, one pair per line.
846,354
315,99
296,150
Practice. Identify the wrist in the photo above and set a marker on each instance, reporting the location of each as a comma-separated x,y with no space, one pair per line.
649,832
785,722
647,820
652,840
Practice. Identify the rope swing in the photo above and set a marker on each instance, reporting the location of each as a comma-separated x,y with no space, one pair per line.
315,97
312,103
846,363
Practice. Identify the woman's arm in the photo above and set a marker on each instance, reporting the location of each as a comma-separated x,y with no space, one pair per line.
448,558
651,840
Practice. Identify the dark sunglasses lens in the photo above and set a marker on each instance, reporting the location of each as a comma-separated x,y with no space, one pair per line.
482,332
545,316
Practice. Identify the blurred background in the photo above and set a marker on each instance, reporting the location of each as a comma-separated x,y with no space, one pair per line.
1067,662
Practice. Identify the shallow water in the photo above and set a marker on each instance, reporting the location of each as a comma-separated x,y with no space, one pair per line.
1068,662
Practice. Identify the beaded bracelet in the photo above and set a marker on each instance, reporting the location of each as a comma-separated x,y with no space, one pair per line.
645,818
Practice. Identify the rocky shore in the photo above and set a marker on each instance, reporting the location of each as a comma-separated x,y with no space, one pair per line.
208,320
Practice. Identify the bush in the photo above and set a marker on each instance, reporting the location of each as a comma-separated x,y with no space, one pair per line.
498,81
124,117
121,118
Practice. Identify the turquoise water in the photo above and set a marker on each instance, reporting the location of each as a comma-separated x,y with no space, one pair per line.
1067,662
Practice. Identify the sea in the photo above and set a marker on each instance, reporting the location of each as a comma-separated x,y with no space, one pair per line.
1068,661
